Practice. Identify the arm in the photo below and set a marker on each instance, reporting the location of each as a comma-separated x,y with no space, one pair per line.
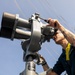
42,61
58,67
68,34
46,67
51,73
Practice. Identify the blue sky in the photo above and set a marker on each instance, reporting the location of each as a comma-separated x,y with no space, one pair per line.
11,53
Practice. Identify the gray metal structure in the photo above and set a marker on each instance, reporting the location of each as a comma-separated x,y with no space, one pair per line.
32,31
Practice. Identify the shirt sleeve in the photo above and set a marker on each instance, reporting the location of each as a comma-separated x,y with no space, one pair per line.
58,67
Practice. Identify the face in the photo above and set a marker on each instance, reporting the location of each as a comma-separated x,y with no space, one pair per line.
58,37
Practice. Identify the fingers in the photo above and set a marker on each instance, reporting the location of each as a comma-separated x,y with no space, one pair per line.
53,22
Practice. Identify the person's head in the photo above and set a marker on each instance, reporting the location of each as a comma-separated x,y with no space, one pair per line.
58,37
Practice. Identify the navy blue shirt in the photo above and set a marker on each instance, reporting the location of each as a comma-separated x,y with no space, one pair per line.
63,65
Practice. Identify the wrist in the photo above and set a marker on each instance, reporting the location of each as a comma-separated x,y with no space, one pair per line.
44,63
49,70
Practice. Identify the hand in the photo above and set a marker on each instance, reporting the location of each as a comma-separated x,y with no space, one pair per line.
54,23
41,60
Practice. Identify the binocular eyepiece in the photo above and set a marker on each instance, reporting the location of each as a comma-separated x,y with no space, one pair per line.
11,26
